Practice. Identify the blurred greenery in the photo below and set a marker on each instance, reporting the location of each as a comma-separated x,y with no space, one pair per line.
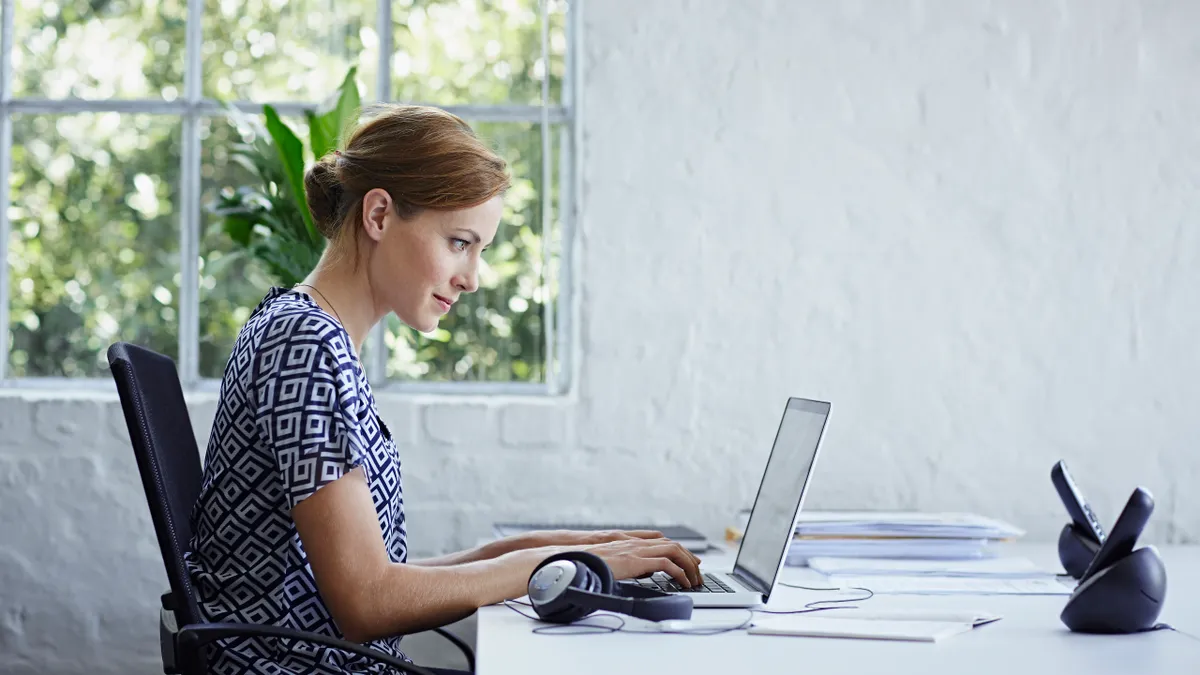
94,251
268,216
94,243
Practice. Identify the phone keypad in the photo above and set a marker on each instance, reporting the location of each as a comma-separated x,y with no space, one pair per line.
1094,521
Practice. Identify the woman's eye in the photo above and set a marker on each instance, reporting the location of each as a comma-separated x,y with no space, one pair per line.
460,244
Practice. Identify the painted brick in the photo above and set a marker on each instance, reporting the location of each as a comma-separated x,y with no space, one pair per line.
534,425
468,426
401,416
16,431
61,425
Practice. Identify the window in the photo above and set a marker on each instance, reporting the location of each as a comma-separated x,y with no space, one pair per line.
112,140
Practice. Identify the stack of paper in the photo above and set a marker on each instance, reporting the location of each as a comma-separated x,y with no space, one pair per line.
930,585
1008,567
905,524
902,535
802,549
995,576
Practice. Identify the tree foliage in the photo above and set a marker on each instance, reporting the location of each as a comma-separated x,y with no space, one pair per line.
95,197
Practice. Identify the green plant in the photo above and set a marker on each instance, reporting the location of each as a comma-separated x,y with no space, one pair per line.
269,217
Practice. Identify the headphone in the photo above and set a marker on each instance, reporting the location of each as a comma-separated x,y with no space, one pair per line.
569,586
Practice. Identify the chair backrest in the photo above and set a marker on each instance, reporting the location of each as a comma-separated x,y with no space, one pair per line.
167,457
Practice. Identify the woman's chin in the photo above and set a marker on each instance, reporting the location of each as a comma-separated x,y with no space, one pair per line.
422,324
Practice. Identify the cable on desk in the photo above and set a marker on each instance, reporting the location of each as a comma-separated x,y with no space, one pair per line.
1167,626
592,628
869,594
566,628
702,630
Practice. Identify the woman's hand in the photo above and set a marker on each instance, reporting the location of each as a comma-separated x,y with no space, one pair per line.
575,538
638,557
583,540
627,557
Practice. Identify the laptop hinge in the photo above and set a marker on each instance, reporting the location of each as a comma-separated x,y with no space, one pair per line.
749,581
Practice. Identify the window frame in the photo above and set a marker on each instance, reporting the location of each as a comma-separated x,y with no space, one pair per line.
559,318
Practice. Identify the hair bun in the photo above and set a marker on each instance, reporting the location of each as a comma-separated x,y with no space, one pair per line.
323,192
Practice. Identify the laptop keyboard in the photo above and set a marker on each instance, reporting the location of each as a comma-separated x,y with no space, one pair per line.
660,581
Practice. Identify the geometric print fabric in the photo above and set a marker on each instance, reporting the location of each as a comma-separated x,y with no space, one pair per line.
295,413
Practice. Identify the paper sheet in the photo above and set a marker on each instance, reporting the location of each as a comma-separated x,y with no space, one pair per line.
1009,566
812,626
928,585
973,617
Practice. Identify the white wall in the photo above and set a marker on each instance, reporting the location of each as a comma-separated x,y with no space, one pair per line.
965,223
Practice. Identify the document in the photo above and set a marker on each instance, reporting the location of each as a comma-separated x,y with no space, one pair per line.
867,629
903,524
1009,566
974,617
802,550
930,585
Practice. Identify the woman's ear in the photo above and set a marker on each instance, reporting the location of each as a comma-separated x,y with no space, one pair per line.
375,207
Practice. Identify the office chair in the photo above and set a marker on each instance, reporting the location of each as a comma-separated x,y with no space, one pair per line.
168,459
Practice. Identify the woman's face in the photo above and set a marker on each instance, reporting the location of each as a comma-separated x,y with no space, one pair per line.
421,267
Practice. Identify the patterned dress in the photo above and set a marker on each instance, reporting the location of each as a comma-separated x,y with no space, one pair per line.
295,414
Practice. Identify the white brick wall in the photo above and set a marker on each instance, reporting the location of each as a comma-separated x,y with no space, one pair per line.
965,223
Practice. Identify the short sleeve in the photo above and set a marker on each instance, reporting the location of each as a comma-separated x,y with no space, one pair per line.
308,414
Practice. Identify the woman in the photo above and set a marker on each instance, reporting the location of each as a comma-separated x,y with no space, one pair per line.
300,522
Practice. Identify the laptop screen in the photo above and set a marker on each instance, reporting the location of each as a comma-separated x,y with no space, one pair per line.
784,482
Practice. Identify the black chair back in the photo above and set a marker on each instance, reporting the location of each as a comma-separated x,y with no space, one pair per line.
167,457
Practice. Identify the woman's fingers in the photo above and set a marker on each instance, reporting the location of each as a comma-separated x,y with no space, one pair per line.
678,555
693,556
640,552
669,566
644,534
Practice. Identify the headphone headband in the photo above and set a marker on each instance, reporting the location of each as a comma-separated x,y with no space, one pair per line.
566,587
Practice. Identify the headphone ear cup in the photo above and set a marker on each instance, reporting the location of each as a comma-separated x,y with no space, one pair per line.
597,565
590,574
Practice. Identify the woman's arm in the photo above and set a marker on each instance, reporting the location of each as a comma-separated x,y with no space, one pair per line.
483,552
371,597
536,539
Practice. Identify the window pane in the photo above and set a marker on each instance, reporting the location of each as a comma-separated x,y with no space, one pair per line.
475,51
232,282
99,50
496,333
287,50
93,253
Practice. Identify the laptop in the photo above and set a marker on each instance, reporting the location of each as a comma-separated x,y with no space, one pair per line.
768,533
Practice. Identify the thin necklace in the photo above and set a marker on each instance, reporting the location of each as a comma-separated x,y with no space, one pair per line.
326,301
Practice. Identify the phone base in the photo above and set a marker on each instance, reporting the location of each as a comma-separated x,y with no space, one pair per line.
1125,597
1076,548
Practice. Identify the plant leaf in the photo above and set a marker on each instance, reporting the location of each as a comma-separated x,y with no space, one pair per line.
245,124
247,162
289,259
291,153
238,226
333,116
217,267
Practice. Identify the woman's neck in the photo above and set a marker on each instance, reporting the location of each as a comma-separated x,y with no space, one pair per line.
346,295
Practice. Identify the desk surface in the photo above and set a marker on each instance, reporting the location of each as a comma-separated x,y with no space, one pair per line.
1029,640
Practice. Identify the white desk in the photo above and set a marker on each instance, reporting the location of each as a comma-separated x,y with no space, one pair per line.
1029,640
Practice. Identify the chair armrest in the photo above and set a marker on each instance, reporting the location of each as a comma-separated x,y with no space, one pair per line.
192,638
462,646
